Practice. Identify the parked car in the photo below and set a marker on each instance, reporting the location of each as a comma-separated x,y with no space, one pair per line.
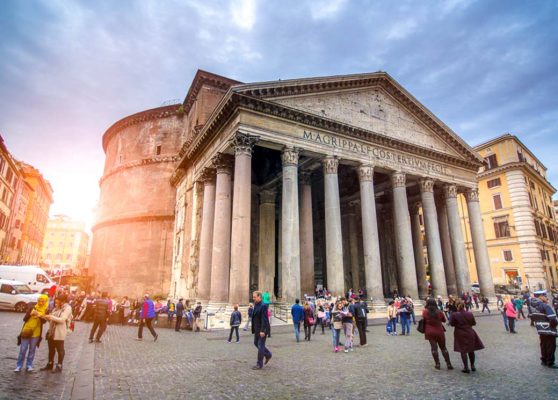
15,295
34,277
513,290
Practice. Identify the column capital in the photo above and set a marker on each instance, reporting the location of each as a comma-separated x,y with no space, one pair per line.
426,185
289,156
398,179
243,143
330,163
450,191
366,173
268,196
305,177
223,163
207,176
472,194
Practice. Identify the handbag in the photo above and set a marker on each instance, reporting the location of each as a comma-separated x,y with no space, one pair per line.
337,325
310,321
421,326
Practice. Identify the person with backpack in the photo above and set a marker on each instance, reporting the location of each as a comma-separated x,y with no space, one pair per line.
544,318
147,314
391,327
101,313
320,317
308,321
347,321
360,319
235,321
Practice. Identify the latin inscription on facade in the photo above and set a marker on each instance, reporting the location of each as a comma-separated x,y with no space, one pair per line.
379,153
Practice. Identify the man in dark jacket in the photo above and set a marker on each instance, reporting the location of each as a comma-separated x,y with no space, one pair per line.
179,312
360,317
101,314
260,329
197,315
546,328
297,312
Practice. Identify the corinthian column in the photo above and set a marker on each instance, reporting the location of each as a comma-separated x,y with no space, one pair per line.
334,242
306,234
353,246
242,200
221,251
445,239
206,236
266,253
370,239
418,251
404,240
435,259
479,244
457,243
290,226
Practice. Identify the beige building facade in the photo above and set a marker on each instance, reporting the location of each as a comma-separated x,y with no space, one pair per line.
65,245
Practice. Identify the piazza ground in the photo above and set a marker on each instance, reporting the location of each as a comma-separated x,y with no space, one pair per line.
203,366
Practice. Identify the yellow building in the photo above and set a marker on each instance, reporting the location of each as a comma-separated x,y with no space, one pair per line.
65,245
9,176
518,215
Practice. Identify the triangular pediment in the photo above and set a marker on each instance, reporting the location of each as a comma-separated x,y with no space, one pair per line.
373,110
373,102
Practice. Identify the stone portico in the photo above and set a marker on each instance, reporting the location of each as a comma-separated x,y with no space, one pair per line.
327,181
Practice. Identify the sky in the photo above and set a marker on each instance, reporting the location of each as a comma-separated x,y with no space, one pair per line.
70,69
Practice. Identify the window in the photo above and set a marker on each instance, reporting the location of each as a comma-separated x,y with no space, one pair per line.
543,230
542,254
508,255
501,227
41,278
493,183
158,150
520,156
497,201
550,232
6,289
491,161
531,184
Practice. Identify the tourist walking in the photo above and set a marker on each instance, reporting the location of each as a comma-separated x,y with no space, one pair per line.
337,323
101,313
465,339
31,333
544,318
297,313
59,321
320,317
434,332
179,314
391,327
197,315
147,314
250,313
360,319
502,309
347,321
511,314
404,312
485,304
235,321
260,329
308,321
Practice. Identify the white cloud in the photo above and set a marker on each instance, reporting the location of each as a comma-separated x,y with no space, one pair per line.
401,29
243,13
326,9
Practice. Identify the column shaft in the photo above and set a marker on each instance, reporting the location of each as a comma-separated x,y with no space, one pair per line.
457,243
241,213
353,249
307,280
266,253
290,226
447,254
435,259
206,235
479,245
221,252
404,240
334,246
370,238
419,252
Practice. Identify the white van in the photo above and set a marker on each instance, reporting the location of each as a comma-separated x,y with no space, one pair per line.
15,295
34,277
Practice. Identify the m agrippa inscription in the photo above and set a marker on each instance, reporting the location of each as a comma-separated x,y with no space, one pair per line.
384,155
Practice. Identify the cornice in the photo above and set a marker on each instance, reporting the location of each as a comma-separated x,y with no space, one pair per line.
138,163
515,165
143,116
205,78
131,219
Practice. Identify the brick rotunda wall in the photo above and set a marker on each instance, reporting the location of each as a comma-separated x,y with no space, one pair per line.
133,236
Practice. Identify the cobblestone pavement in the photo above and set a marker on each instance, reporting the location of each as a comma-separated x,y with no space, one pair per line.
204,366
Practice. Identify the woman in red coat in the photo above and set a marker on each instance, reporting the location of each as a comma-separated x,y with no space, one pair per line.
434,331
465,339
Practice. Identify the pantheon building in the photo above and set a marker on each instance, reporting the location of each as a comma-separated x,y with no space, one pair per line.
342,181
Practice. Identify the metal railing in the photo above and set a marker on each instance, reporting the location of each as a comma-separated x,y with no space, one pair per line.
281,311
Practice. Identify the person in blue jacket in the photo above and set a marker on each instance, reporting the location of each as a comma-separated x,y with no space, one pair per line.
147,314
297,312
546,328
